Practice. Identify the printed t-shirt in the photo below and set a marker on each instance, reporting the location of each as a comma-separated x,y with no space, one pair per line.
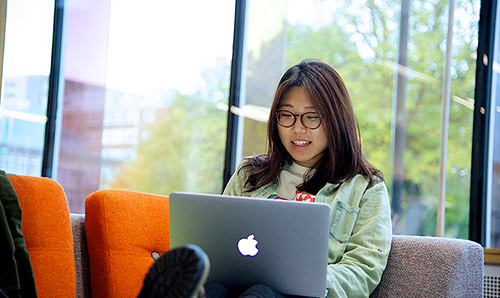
290,177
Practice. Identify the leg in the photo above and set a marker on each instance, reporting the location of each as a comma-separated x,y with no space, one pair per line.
261,291
215,290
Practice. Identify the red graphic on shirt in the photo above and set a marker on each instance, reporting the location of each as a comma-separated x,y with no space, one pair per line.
304,196
301,196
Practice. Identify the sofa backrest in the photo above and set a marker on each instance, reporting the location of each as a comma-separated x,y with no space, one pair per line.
47,232
125,231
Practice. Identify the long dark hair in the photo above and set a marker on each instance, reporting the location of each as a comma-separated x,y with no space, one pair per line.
344,157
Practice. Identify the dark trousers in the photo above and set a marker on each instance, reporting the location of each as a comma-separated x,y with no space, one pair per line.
257,291
16,274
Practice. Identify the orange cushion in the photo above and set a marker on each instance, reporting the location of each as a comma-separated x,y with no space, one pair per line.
123,229
47,231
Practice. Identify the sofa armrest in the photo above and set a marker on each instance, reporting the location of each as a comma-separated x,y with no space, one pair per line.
83,288
432,267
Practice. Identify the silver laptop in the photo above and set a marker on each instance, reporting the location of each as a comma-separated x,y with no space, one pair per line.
249,241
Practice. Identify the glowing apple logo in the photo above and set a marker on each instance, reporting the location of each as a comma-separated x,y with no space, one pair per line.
248,246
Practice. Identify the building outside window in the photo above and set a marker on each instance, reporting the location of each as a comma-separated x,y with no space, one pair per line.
24,90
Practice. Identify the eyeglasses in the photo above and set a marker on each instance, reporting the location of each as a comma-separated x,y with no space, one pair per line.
311,120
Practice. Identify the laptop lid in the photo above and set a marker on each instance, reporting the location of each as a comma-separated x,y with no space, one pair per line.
249,241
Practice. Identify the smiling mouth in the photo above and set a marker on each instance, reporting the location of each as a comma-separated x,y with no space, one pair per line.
301,143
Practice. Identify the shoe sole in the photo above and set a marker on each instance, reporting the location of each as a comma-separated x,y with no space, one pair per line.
180,272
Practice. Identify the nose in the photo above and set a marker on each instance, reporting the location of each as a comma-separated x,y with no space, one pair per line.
298,127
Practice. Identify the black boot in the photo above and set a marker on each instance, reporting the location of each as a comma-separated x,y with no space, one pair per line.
178,273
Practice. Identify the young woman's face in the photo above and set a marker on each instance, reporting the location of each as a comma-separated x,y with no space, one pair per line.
305,145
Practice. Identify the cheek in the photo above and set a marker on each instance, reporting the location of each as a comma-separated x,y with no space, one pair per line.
321,138
282,134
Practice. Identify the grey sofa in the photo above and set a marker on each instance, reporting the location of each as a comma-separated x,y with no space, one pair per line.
417,267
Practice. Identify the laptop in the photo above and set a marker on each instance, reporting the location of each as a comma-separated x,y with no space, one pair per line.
249,241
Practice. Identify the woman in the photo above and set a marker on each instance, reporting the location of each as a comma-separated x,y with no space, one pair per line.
314,154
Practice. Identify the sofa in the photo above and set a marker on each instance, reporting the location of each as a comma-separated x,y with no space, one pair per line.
106,251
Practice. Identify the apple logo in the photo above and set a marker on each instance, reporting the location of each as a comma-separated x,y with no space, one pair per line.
248,246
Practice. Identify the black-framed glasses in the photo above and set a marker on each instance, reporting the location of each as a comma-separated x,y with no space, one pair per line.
311,120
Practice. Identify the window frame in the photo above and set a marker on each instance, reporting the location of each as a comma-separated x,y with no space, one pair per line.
236,91
481,124
55,89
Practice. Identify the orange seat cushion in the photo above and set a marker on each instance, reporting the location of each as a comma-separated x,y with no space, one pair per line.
124,228
46,228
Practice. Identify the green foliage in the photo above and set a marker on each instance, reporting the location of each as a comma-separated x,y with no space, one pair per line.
184,151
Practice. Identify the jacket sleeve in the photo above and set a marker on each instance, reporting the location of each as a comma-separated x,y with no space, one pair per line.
235,185
362,254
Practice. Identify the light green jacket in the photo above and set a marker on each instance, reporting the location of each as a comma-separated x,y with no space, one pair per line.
360,231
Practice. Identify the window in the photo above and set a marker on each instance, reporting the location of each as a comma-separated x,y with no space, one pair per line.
144,100
143,85
26,68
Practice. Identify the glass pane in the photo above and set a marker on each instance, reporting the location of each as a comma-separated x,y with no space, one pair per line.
266,48
361,41
463,77
26,69
145,101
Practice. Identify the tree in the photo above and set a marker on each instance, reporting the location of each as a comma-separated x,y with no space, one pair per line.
184,151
